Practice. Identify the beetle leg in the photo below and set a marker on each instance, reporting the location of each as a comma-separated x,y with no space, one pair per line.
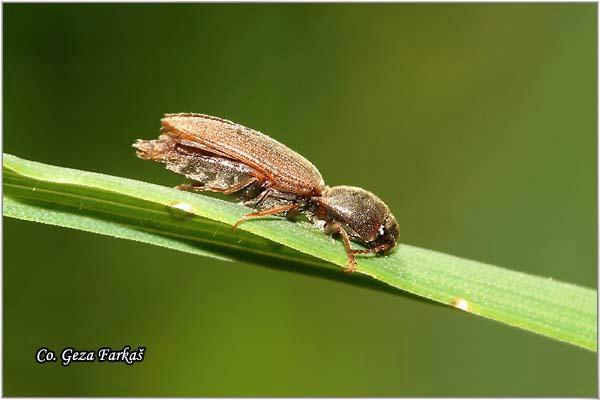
376,249
191,187
256,202
267,212
334,227
200,187
241,185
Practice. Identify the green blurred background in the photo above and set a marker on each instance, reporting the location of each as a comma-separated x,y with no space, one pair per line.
475,123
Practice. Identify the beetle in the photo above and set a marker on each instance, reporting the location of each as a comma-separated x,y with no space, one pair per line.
221,156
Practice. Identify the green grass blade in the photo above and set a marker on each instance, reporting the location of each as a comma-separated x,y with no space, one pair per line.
144,212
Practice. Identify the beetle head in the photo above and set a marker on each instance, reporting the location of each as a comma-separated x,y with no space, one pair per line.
363,215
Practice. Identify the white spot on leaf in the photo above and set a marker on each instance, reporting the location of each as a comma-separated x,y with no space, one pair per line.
461,303
185,207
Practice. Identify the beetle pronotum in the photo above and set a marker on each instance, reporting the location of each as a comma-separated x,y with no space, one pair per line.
222,156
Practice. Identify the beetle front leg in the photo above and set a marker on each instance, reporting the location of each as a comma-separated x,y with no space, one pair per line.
333,228
377,249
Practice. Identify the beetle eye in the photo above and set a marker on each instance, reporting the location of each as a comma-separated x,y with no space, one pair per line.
381,230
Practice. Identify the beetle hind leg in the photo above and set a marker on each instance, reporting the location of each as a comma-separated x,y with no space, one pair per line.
191,187
202,187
